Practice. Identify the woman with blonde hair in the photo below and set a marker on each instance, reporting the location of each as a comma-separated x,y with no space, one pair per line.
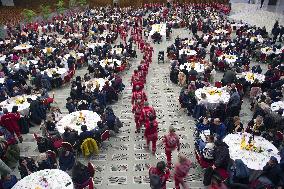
181,79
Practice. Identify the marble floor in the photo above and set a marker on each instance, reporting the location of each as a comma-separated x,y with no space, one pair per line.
123,161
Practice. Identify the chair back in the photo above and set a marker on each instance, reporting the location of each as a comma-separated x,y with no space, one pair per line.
89,183
105,135
91,169
218,84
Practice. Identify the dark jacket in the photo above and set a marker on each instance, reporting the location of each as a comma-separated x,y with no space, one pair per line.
272,172
221,155
66,162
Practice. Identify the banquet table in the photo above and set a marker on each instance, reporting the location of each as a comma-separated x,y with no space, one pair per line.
46,179
118,51
61,71
214,95
230,59
76,119
269,50
110,62
94,82
254,160
251,77
219,31
257,38
2,58
22,47
20,101
188,52
2,80
93,45
197,66
75,55
160,28
276,106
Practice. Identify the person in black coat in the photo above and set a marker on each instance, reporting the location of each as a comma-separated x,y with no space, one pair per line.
66,160
221,155
26,166
80,173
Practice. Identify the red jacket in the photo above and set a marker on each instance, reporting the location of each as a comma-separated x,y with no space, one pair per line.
182,169
163,175
139,95
151,133
146,111
171,142
10,122
137,109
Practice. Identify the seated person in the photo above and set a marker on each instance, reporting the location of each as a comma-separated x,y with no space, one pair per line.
66,160
271,173
221,155
239,172
70,136
80,173
203,124
26,166
218,129
85,134
8,181
256,126
207,148
44,162
157,37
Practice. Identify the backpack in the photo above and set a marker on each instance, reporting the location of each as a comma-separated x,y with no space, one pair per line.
155,181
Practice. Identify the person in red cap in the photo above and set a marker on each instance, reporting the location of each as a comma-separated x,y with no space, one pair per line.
146,112
181,171
159,175
136,110
138,94
171,142
151,132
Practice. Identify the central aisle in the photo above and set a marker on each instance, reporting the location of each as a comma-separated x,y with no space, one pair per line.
123,162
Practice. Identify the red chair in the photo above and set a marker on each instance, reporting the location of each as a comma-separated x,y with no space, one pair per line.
67,146
105,136
89,183
91,169
67,78
201,162
218,84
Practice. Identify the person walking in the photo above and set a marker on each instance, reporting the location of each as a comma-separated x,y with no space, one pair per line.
151,132
159,175
171,142
181,171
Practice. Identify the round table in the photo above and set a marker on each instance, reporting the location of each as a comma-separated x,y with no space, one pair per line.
214,95
94,82
197,66
269,50
46,179
93,45
251,77
22,47
20,101
254,160
230,59
61,71
76,119
276,106
110,62
188,52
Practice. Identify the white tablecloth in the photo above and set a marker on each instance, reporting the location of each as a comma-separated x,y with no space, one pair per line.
45,50
74,121
46,179
94,82
251,77
61,71
93,45
268,50
2,58
221,31
188,52
23,108
212,95
197,66
160,28
22,47
230,59
275,106
110,62
253,160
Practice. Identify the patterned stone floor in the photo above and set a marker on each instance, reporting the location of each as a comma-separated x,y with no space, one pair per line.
123,162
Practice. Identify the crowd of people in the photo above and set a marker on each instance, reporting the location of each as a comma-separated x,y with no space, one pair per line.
38,57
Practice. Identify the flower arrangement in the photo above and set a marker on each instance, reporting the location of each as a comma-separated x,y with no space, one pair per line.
250,76
250,146
214,91
20,100
80,119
